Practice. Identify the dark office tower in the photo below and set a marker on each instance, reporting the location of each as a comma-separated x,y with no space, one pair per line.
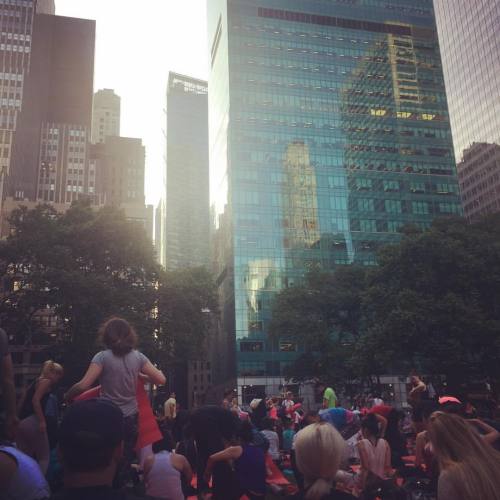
187,210
106,115
49,160
16,25
329,131
470,49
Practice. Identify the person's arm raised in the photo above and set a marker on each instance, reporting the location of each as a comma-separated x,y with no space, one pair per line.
231,453
490,433
93,373
154,375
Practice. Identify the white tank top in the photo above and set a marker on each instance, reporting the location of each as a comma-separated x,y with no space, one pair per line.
164,480
28,482
376,456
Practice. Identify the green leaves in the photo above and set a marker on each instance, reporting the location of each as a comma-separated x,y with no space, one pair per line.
433,303
85,266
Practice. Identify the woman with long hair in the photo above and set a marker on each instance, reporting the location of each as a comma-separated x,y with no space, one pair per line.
319,449
470,467
32,437
118,369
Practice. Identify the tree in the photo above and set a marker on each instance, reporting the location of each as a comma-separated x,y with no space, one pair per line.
432,303
82,267
324,315
187,300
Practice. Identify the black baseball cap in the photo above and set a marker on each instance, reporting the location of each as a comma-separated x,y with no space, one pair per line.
93,424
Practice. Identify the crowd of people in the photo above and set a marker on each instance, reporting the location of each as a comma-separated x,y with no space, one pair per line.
108,444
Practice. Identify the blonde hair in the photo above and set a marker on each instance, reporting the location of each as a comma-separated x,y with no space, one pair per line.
318,451
471,464
50,367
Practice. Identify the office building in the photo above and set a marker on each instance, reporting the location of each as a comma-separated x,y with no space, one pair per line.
329,131
106,115
50,143
160,227
187,189
46,7
120,163
16,24
470,49
479,176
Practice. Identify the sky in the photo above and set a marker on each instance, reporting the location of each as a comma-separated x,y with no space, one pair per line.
138,42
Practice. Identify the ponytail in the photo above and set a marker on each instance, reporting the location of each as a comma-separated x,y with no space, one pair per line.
319,489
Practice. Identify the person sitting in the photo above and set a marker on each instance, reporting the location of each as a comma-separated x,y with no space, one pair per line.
90,447
272,436
20,476
375,457
162,471
249,465
469,466
319,449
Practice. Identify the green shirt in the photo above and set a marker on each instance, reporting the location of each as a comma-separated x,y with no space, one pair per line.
330,397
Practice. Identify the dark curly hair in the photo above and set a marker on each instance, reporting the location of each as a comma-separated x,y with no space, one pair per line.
118,335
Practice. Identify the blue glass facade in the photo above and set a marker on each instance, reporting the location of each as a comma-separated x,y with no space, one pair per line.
329,131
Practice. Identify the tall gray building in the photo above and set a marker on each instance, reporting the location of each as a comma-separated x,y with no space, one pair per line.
106,115
187,188
470,49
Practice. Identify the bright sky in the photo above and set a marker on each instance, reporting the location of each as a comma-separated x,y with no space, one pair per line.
138,43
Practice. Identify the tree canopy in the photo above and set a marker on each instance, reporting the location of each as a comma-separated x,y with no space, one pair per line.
83,266
432,304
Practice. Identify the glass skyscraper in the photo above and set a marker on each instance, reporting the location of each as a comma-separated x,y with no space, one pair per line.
329,131
470,48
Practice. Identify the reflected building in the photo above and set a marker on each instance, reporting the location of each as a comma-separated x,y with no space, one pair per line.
329,131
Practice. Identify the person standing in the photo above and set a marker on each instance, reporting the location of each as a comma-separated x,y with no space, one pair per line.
329,396
118,369
32,436
418,391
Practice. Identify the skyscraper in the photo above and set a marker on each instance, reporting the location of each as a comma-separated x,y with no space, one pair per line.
16,25
470,48
106,115
50,143
329,131
46,7
187,189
